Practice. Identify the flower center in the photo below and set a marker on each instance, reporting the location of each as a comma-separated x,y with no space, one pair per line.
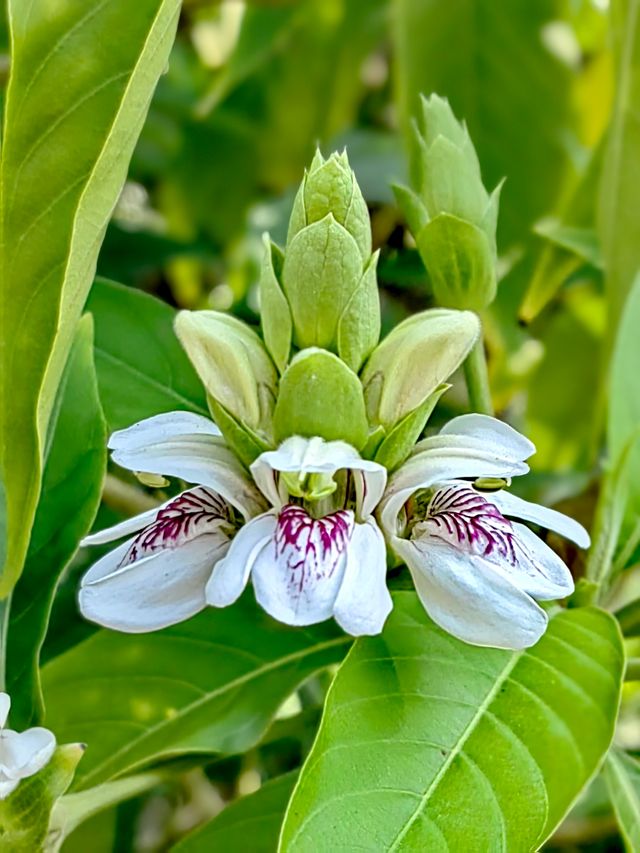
312,548
189,515
462,517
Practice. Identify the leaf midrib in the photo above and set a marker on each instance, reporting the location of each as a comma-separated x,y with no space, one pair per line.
184,712
457,749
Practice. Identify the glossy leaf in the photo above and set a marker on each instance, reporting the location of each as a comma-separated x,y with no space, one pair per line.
211,684
142,369
71,491
618,222
467,50
624,405
66,148
257,817
425,740
622,773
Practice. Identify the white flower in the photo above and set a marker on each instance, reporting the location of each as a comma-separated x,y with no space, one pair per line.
318,553
21,753
476,571
158,577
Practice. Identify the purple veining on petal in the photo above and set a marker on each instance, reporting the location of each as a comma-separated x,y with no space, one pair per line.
191,514
311,547
462,517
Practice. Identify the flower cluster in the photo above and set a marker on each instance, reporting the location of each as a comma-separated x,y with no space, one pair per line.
311,475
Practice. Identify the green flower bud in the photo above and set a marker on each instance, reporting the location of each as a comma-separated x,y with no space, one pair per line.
331,187
451,216
413,360
320,395
275,316
233,365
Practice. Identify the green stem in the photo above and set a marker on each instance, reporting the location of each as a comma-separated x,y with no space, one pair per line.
477,378
5,608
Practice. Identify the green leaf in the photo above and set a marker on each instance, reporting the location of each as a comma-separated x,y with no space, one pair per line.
306,403
71,491
431,744
466,50
142,369
257,817
66,148
618,222
211,684
622,774
624,399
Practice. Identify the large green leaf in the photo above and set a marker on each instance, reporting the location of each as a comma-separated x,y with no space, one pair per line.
72,486
622,773
142,369
82,76
618,221
208,685
257,817
467,50
624,398
431,744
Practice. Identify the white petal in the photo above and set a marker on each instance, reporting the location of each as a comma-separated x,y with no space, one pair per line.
548,578
495,434
5,705
511,505
439,466
317,456
123,528
231,574
161,428
201,459
24,753
298,573
159,590
7,787
363,602
465,595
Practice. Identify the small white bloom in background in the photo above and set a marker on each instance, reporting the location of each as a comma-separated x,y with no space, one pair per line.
318,552
22,754
157,577
476,570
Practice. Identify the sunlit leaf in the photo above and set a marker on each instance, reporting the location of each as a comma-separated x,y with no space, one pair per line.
211,684
81,79
425,740
74,466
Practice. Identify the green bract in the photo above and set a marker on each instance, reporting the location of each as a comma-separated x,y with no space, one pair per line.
323,292
451,215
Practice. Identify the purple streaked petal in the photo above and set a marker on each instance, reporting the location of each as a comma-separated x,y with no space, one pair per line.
161,589
541,572
363,602
232,573
297,575
469,598
511,505
124,528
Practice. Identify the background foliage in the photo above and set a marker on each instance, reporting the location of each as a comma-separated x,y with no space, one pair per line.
197,733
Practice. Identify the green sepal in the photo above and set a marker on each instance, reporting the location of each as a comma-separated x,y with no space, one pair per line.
359,325
330,186
376,437
412,207
275,316
413,360
26,812
397,446
460,262
245,443
233,364
452,183
322,268
320,396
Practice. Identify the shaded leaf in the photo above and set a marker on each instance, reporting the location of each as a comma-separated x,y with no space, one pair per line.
622,773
